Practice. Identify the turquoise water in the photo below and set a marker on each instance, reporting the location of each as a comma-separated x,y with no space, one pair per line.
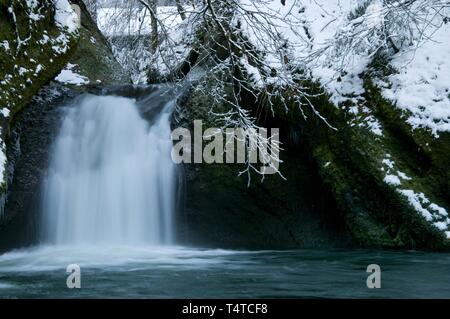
180,272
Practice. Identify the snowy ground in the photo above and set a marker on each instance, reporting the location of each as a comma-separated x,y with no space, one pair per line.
422,85
70,76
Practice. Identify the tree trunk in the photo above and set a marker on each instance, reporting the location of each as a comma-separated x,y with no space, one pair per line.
180,9
152,7
154,23
92,7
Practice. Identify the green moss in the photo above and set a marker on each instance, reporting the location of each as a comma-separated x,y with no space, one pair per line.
418,152
222,210
31,62
95,59
349,161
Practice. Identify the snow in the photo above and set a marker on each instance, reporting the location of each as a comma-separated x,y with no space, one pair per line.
2,162
422,85
441,225
310,28
403,176
15,84
416,200
5,112
430,211
441,211
392,176
22,71
113,22
5,45
32,4
45,39
374,14
392,180
69,76
137,26
65,16
323,19
39,68
252,71
61,44
389,163
373,125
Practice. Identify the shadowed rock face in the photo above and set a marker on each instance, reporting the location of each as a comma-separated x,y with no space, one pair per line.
220,210
335,193
348,163
30,146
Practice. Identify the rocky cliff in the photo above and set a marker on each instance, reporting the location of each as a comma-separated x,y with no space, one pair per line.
73,58
370,151
36,40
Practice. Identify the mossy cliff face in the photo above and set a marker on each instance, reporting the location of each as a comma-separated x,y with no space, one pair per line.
379,183
220,208
336,191
93,57
353,163
33,50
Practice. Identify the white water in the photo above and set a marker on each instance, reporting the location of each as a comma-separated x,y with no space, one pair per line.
111,177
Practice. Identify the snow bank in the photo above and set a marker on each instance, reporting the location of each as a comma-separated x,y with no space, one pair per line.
69,76
65,16
20,46
422,85
433,213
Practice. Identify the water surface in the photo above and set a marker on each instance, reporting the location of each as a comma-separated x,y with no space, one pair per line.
180,272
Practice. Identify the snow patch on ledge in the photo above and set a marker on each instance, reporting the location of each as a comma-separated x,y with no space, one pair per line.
5,112
392,180
65,16
69,76
433,213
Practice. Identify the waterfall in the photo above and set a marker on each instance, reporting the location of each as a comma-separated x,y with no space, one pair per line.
111,179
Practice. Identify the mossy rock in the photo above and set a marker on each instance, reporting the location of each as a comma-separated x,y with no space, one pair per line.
94,55
222,209
32,53
349,162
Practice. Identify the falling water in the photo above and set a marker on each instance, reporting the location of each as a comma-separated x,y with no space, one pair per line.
111,178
